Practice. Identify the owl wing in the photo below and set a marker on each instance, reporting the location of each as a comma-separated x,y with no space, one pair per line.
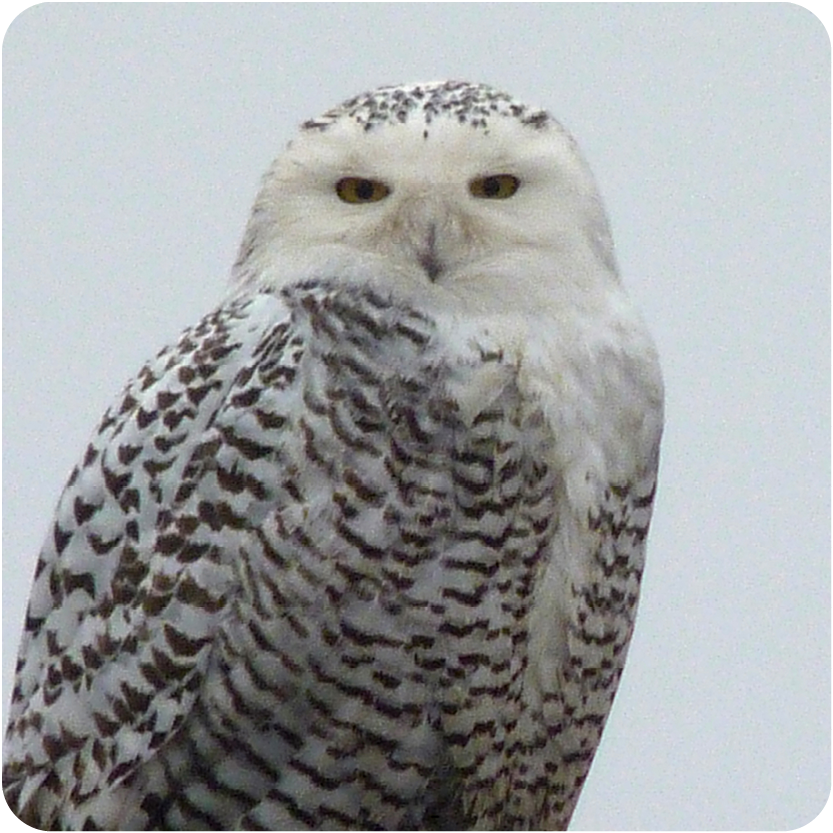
596,609
117,633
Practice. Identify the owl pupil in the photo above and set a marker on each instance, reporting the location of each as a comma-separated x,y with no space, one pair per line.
491,186
364,189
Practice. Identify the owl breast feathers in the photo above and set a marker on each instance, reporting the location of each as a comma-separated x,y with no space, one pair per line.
363,548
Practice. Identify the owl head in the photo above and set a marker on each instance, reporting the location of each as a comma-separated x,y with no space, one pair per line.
446,190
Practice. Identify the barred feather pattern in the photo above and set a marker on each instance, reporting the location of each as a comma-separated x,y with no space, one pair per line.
291,584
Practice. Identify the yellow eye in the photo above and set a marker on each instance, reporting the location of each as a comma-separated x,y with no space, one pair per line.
354,189
495,187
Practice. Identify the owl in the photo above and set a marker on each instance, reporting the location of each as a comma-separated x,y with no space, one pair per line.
362,549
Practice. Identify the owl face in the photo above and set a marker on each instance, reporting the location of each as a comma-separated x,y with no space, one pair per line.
445,185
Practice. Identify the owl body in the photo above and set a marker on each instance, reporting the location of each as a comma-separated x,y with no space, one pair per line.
363,548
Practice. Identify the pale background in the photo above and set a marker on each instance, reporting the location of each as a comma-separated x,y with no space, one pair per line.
133,141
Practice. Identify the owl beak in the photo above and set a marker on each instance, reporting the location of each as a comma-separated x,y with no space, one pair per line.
427,254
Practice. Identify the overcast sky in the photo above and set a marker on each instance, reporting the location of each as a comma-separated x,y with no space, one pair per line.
133,141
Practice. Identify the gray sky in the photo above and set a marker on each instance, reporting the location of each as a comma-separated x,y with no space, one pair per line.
134,138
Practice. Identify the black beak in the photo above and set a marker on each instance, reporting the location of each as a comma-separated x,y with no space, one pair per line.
428,257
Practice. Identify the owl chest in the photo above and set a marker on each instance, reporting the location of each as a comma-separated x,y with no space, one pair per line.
386,579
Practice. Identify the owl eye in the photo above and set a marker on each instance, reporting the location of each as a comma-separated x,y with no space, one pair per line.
495,187
354,189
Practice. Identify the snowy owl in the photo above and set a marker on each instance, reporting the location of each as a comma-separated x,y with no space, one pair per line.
363,548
